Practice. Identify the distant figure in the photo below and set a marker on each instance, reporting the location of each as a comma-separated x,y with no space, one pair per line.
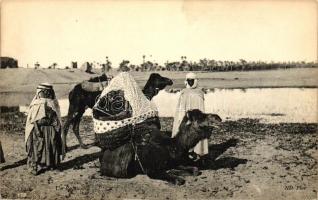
43,139
36,65
190,98
74,65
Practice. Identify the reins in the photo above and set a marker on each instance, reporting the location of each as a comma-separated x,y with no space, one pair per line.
100,82
97,108
135,150
100,110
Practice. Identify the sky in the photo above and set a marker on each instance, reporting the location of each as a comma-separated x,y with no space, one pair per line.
65,31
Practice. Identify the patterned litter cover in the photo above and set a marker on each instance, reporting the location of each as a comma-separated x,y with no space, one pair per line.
142,108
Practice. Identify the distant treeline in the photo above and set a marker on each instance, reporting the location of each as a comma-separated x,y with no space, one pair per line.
213,65
208,65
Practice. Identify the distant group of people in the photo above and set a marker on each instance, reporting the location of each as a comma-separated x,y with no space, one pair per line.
46,143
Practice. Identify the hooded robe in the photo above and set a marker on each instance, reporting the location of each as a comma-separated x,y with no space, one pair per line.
190,98
43,139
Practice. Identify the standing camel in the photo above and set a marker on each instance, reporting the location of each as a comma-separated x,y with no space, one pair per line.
80,100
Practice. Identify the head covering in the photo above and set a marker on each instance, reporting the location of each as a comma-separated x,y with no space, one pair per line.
37,108
192,76
47,86
142,108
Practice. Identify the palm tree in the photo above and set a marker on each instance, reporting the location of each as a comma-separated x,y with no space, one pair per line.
132,67
123,66
243,63
143,58
203,64
54,65
107,66
212,65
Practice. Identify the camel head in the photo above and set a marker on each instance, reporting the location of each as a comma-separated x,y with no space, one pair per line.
155,83
196,126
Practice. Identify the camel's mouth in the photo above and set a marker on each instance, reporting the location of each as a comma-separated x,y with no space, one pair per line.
169,82
214,126
215,121
211,127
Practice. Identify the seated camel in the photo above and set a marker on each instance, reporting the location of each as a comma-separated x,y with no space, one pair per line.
80,100
151,152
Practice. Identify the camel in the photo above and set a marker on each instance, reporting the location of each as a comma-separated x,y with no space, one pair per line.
153,153
80,100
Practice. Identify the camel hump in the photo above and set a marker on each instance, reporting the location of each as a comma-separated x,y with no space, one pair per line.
93,86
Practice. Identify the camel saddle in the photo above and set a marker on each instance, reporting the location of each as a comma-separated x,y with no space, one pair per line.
94,86
123,135
122,112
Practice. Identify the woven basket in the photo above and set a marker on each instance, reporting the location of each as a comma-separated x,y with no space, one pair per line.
115,138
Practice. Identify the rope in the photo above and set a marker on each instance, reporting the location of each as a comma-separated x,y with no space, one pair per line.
100,110
135,150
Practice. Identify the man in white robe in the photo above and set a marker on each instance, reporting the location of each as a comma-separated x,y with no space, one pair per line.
190,98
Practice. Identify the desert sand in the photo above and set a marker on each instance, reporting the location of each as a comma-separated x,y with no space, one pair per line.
251,161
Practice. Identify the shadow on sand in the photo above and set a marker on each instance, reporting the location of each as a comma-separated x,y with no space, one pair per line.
209,162
78,146
76,163
215,150
14,165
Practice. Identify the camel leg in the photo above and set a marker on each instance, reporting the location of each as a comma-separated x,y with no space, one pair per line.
194,171
174,179
66,127
178,172
76,124
75,112
73,118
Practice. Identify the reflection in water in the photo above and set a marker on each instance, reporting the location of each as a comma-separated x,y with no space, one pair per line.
6,109
270,105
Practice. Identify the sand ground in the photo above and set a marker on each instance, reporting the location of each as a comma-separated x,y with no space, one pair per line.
269,161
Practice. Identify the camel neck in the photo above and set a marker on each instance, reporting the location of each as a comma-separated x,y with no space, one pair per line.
185,139
177,151
149,91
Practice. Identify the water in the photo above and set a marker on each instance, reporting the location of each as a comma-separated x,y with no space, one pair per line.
270,105
64,103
